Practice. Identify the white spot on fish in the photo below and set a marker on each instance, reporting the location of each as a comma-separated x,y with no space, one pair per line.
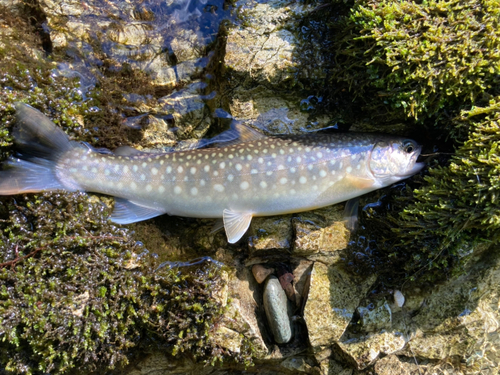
315,187
177,190
143,177
219,188
281,167
162,161
133,185
222,165
260,160
310,167
230,177
299,159
73,170
249,157
144,165
269,173
135,168
180,169
198,162
149,188
125,169
161,189
282,152
244,185
254,171
302,180
106,171
154,171
94,170
322,173
293,170
216,173
273,155
206,168
194,191
292,192
169,169
283,180
230,156
348,169
238,167
192,170
358,166
263,184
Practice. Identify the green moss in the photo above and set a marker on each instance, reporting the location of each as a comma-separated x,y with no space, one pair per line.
458,207
418,58
75,294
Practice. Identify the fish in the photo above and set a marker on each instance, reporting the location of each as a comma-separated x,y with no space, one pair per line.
236,180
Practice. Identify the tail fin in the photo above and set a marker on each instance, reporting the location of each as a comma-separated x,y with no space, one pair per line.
39,144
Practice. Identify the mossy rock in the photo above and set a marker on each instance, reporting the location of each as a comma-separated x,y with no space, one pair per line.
416,59
78,293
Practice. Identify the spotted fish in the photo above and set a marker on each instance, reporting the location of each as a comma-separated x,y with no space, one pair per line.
257,176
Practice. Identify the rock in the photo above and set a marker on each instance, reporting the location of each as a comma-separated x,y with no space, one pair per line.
241,315
261,272
228,339
399,298
392,365
320,233
276,308
332,300
299,364
377,318
364,350
270,234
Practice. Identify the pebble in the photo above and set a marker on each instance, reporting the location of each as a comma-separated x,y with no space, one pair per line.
261,273
275,306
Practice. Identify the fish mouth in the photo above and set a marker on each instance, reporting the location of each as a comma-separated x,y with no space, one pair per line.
417,167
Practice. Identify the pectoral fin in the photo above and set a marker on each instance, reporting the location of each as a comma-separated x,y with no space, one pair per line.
351,214
126,212
236,224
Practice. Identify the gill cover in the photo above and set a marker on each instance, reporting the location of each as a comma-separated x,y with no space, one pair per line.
395,158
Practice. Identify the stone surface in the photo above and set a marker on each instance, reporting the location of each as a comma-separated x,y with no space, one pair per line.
364,350
332,300
377,318
260,272
276,308
320,232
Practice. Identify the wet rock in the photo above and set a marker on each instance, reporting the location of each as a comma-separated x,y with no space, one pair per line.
332,300
299,365
228,339
241,315
319,233
392,365
261,272
276,308
270,234
377,318
365,349
399,298
169,45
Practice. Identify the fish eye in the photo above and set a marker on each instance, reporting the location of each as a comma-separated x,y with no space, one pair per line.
408,147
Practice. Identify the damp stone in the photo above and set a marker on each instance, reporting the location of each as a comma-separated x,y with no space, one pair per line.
275,305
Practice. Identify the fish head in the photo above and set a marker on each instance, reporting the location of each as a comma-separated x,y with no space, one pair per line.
395,159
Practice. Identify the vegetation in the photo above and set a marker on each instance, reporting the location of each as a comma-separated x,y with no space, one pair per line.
78,293
419,58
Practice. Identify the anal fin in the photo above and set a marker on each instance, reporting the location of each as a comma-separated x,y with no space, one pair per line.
126,212
236,224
